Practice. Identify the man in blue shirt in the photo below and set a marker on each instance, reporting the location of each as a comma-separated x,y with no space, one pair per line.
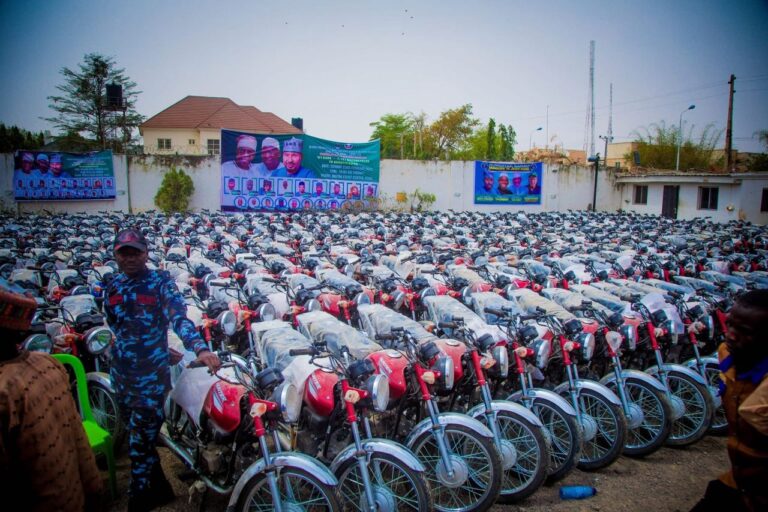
292,156
140,306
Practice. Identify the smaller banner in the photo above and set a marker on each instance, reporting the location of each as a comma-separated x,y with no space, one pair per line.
504,183
54,176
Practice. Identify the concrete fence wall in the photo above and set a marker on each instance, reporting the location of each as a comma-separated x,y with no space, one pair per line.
138,178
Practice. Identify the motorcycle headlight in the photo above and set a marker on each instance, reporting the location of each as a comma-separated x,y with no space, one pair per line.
613,339
80,290
97,340
587,342
709,322
38,343
630,335
509,289
542,349
466,294
427,292
669,326
362,298
313,305
377,387
266,312
398,298
289,400
444,366
228,322
501,355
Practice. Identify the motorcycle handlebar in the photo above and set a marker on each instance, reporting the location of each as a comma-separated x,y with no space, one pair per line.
447,325
495,311
309,351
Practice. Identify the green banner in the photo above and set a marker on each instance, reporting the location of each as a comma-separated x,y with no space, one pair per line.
342,161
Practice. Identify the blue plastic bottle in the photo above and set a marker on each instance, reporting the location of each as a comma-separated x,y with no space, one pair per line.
576,492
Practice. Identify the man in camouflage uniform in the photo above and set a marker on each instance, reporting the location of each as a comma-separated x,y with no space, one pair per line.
140,305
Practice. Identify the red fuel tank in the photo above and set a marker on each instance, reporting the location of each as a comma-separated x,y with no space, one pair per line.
455,350
392,364
318,392
222,406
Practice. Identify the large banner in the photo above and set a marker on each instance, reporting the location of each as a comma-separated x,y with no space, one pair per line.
295,172
503,183
54,176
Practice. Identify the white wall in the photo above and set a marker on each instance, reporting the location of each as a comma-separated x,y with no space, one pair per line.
452,183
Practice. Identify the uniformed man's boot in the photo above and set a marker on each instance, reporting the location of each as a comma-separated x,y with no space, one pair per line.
160,490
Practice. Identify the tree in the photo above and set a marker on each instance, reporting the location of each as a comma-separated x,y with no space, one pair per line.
658,147
13,138
175,191
448,135
392,130
490,140
759,163
83,108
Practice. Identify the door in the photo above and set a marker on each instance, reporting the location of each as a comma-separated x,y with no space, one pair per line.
669,201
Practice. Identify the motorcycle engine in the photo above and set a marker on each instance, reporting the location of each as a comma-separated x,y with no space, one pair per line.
214,457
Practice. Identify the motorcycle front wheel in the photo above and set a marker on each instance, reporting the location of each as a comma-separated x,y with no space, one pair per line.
696,402
525,462
719,424
299,490
106,412
650,418
563,435
605,430
395,485
476,464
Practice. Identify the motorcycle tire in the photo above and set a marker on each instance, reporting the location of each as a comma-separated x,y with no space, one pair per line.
652,433
611,434
256,494
719,425
106,412
484,481
529,470
697,400
564,437
409,492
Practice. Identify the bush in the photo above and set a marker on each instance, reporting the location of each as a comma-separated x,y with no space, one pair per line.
175,191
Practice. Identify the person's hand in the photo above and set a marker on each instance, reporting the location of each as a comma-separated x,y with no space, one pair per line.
209,359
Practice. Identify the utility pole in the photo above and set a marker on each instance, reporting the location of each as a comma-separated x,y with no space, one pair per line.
729,128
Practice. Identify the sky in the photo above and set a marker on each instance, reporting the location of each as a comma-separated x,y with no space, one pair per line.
342,64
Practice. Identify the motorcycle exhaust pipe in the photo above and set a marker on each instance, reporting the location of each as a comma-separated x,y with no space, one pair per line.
184,455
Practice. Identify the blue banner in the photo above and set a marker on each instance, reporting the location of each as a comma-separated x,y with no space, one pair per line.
505,183
55,176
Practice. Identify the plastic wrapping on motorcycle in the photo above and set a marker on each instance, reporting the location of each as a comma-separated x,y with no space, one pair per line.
78,304
604,298
655,302
482,300
528,300
191,389
297,281
334,278
571,299
323,327
378,319
442,308
466,273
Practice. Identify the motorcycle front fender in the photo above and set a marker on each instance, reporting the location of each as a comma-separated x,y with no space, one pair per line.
283,460
534,393
102,379
635,374
706,361
506,406
592,385
654,370
446,418
379,445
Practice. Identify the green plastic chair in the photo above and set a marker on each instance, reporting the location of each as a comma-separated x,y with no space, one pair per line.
99,439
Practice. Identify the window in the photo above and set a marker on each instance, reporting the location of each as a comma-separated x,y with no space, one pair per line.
641,194
191,142
164,144
764,201
708,198
214,147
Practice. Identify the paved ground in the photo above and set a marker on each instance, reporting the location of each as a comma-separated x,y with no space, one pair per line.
669,480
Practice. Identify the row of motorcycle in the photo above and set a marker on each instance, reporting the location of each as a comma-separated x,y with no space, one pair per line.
386,361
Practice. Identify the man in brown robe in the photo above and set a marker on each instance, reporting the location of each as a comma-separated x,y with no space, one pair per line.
46,462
